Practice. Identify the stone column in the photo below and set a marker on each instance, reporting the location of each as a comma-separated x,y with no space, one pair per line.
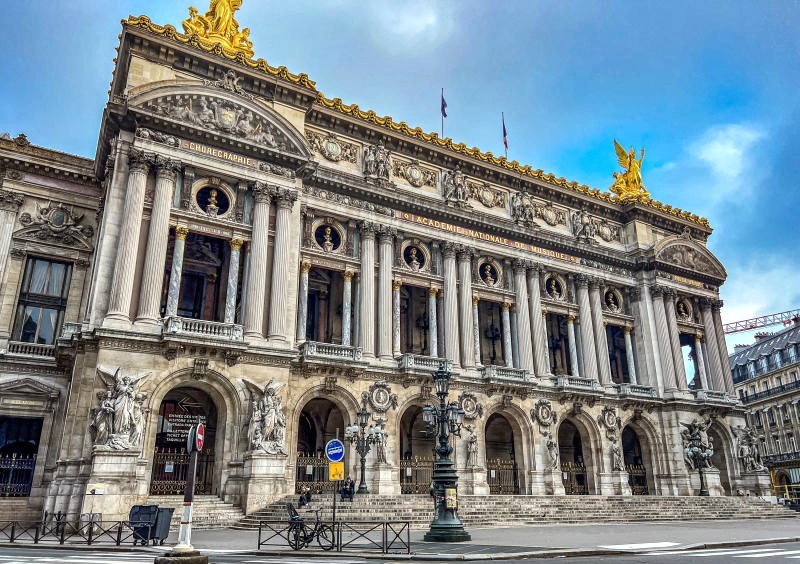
174,292
587,334
385,308
302,304
9,206
233,280
675,340
396,284
356,311
509,357
629,356
525,344
600,340
539,336
573,348
157,238
280,266
347,305
722,346
451,333
476,330
257,275
366,307
128,247
645,340
547,359
662,333
465,308
700,360
712,346
433,328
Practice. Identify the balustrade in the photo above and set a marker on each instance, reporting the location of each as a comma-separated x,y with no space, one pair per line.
494,372
315,349
31,349
200,328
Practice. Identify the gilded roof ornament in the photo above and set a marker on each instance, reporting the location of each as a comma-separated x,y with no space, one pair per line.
628,185
219,27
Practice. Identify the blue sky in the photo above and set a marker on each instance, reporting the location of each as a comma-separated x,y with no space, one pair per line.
709,88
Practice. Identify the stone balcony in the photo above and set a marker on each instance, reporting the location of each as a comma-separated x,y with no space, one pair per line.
713,396
410,362
577,384
637,391
505,374
30,350
204,330
315,350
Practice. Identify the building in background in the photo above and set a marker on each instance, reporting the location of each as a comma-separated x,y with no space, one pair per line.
245,250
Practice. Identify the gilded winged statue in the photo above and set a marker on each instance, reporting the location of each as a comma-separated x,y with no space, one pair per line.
218,26
628,185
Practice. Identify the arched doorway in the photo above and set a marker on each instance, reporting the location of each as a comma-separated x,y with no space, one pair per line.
635,463
320,421
416,448
502,473
180,409
720,459
573,463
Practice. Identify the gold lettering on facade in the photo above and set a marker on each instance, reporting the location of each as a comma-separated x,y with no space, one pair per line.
687,281
218,153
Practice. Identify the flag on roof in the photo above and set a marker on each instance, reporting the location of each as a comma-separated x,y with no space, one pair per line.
444,105
505,133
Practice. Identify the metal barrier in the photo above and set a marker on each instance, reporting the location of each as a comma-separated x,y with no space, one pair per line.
65,532
386,537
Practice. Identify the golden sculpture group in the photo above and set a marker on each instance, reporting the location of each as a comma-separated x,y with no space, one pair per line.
218,26
628,185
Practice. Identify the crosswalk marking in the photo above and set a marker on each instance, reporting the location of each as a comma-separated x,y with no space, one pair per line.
640,546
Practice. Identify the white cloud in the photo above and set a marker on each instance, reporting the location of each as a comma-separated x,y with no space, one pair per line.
404,26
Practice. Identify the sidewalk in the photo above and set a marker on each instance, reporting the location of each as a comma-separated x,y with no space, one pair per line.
547,539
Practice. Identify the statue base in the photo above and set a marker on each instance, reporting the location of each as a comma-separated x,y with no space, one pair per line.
546,482
113,486
756,483
385,480
472,481
712,479
264,479
614,483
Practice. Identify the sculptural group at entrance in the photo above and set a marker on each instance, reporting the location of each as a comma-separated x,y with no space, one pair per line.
267,429
118,422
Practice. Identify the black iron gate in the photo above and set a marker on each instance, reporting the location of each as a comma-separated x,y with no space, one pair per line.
416,474
502,476
637,479
171,467
574,478
16,474
312,471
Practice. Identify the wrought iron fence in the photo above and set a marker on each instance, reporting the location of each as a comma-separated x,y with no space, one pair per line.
386,537
574,478
16,475
171,467
62,531
637,479
312,471
502,476
416,474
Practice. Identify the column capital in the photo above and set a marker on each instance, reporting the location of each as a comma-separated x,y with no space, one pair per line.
597,282
636,293
236,244
10,201
386,234
506,306
582,280
717,304
475,299
167,167
348,275
669,292
628,329
571,317
519,265
285,198
181,231
534,268
432,292
397,283
698,337
305,266
368,230
262,193
139,161
657,291
464,253
706,303
448,249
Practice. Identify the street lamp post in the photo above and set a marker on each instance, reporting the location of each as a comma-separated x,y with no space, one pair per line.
358,435
444,420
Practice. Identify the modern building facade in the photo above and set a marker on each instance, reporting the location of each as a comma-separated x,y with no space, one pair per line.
765,376
245,250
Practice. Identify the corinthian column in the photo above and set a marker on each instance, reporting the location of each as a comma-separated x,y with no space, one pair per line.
465,308
601,342
280,266
156,251
302,305
700,360
174,291
509,358
347,305
727,377
125,263
587,333
366,307
396,317
385,308
662,332
476,330
451,348
573,345
675,340
9,205
433,329
629,356
257,275
524,343
233,281
539,336
712,346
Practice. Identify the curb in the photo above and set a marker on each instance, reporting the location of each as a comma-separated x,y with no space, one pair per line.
544,553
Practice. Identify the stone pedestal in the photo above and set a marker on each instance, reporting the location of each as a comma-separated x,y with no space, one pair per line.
755,483
264,480
546,482
712,482
472,481
117,476
620,480
385,480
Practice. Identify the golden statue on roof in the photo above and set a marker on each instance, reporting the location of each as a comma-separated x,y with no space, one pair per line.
218,26
628,185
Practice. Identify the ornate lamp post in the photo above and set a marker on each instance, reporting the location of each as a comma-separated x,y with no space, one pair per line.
358,435
444,420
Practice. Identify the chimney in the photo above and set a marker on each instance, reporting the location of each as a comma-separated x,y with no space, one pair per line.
761,336
737,348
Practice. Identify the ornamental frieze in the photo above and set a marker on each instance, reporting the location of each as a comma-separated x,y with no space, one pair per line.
56,223
487,195
414,174
332,148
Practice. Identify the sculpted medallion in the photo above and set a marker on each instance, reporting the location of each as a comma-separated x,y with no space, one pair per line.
469,403
414,174
332,148
380,396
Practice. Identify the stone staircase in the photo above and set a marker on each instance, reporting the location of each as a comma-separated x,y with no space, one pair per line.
208,511
499,510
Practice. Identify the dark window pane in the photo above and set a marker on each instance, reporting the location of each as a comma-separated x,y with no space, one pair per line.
28,324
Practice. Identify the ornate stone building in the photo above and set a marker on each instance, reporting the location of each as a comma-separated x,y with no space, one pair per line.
245,250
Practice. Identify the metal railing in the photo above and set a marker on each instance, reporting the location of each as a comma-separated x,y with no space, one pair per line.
201,328
315,349
416,474
750,398
770,459
386,537
61,531
787,492
31,349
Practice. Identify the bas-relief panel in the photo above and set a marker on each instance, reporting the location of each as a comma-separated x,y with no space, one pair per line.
337,151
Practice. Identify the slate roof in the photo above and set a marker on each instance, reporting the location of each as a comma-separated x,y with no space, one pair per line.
765,347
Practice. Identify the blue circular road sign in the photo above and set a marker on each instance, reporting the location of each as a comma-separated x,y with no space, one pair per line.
334,450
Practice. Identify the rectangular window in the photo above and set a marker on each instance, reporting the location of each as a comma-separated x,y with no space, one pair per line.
792,353
771,417
751,369
765,386
790,442
42,301
759,421
779,381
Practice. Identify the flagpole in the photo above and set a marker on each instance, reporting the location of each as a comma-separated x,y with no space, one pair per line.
442,114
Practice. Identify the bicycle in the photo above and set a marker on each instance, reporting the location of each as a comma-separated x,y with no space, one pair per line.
300,535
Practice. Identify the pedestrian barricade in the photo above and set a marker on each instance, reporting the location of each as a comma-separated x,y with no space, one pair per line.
63,531
386,537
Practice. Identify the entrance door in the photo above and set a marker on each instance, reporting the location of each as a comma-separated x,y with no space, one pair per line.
634,463
320,421
19,442
180,409
416,446
502,474
573,469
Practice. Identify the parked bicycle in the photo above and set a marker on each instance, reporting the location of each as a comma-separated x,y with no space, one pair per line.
300,535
